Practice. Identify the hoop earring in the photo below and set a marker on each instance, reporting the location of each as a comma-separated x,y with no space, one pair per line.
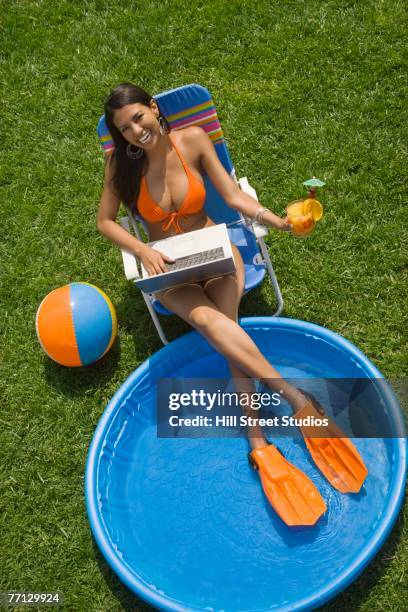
162,126
134,154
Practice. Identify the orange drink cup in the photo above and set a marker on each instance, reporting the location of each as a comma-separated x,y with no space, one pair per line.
302,223
303,214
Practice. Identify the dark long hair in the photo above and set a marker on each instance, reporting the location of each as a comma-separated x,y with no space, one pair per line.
127,172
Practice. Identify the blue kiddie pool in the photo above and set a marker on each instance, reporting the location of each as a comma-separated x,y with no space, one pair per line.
184,522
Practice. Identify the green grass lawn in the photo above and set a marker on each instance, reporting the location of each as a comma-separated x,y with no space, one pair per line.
303,88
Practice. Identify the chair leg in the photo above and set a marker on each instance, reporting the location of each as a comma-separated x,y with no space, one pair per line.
155,318
274,280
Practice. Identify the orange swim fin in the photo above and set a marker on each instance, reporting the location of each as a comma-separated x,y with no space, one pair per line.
335,455
290,492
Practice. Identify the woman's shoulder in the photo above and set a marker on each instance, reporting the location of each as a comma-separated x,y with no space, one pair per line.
191,139
189,135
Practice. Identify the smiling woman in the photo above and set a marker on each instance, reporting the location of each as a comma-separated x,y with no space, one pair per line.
161,175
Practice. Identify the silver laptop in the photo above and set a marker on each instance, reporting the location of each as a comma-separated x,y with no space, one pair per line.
197,255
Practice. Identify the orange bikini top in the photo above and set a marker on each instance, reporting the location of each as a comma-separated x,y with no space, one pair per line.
192,203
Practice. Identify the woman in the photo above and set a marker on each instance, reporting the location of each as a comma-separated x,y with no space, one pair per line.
161,172
162,169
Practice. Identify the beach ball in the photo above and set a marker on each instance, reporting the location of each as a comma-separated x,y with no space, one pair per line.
76,324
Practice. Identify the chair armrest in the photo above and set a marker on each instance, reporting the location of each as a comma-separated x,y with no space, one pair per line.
129,259
259,230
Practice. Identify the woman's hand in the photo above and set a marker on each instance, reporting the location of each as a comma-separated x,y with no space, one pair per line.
284,225
153,261
279,223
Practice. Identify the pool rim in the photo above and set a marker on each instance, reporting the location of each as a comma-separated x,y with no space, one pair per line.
335,586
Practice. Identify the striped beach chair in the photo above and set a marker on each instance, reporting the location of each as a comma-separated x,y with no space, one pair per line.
186,106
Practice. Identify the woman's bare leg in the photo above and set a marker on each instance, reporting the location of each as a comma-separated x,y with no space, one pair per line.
226,293
193,305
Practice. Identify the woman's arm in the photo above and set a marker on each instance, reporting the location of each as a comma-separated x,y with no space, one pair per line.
225,185
107,213
153,260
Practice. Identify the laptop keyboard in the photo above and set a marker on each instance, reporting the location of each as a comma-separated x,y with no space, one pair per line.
190,261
